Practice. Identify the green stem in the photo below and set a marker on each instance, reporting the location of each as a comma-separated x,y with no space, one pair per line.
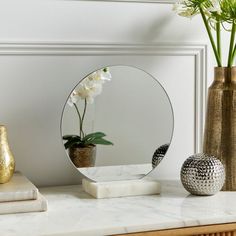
218,36
80,120
233,56
85,106
210,37
231,49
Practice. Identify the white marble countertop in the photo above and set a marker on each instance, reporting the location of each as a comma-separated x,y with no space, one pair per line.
72,212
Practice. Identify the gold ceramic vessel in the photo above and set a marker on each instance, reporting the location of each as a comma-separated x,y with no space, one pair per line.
220,126
7,162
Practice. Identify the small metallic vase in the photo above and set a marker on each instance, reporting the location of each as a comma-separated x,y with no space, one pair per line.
7,162
159,155
202,174
220,125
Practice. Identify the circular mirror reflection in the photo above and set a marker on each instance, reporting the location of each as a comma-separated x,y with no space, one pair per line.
115,123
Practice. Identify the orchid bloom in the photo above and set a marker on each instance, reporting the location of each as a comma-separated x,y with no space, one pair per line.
90,87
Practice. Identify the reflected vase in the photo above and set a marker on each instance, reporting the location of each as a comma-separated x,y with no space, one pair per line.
7,162
220,123
83,156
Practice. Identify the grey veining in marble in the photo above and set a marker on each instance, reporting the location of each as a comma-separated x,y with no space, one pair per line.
113,173
72,212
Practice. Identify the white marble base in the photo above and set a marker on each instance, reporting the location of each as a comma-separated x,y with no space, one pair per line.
114,173
122,188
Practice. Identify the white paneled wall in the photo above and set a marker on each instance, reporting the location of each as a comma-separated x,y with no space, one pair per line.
48,46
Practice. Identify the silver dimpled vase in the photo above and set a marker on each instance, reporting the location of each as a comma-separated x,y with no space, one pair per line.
202,174
159,155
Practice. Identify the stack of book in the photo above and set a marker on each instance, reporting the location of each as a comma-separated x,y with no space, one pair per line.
20,195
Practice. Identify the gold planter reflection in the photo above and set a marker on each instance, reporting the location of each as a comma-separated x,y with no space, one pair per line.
83,156
220,126
7,162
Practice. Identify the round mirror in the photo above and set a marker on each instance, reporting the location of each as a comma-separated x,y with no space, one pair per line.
117,124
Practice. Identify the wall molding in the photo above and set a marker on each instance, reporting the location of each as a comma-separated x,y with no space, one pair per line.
131,1
198,51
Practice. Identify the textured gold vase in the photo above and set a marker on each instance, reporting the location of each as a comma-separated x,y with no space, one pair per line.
83,156
220,126
7,162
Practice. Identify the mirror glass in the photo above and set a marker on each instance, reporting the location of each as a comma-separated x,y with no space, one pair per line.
117,124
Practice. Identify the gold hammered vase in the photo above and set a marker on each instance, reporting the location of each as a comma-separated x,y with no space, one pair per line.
220,123
7,162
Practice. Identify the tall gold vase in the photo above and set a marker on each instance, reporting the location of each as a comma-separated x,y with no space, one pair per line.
7,163
220,125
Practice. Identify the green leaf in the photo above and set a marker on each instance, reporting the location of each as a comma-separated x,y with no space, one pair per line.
101,141
72,141
70,136
68,144
94,136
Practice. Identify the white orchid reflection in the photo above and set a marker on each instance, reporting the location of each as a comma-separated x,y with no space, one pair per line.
90,87
86,91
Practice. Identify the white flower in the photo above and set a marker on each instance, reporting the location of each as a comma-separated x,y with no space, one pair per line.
183,10
73,98
215,6
105,76
90,87
100,76
88,90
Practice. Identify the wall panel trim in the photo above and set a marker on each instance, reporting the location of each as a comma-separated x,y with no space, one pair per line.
132,1
198,51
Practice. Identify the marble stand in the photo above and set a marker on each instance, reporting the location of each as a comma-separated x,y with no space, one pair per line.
145,186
